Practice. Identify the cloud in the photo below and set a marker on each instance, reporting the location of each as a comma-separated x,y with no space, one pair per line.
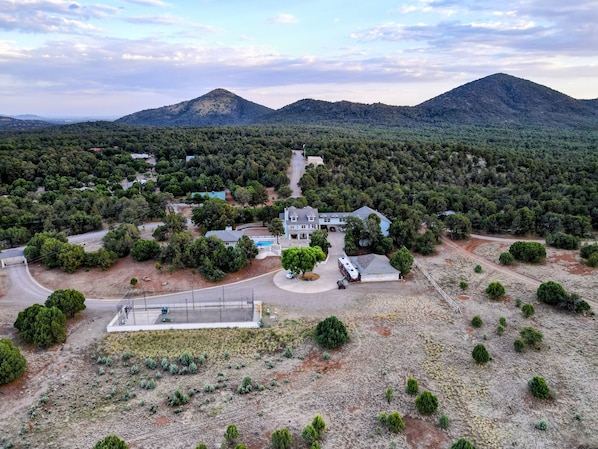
51,16
284,19
157,3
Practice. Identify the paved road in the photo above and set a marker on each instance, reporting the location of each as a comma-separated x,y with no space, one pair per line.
297,170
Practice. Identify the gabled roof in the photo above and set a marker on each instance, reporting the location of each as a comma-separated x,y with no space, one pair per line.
227,236
364,211
373,264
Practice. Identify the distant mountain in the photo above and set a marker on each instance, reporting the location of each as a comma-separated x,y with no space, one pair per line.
13,124
496,100
505,99
216,108
340,113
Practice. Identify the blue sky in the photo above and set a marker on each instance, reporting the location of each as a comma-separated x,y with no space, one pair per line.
115,57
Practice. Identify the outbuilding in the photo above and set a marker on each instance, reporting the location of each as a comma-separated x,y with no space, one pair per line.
375,268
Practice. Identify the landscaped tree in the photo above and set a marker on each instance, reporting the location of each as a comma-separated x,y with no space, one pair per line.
458,225
477,321
70,257
69,301
281,439
462,444
551,293
12,363
495,290
331,333
426,244
276,228
41,326
145,250
562,240
537,386
309,434
302,260
111,442
412,387
320,238
426,403
402,260
395,422
480,354
248,248
318,424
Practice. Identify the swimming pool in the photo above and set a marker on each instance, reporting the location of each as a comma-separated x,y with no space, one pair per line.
264,243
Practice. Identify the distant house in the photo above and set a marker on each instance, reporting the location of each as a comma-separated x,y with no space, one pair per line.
375,268
140,156
315,160
299,223
188,158
228,236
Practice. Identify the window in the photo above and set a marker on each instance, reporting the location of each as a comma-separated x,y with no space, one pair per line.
293,218
326,220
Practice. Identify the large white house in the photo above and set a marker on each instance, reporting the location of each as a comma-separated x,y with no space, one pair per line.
299,223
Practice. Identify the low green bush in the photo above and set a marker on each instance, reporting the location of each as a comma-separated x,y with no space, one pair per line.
537,386
476,321
462,444
443,422
412,386
426,403
480,354
518,345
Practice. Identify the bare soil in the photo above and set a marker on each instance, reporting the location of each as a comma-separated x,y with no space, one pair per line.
64,401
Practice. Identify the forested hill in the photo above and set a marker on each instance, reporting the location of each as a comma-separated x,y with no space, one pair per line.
9,123
495,100
506,99
216,108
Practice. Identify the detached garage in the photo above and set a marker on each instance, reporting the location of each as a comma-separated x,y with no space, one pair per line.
375,268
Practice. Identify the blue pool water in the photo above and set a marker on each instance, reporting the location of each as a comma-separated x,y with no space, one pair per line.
264,243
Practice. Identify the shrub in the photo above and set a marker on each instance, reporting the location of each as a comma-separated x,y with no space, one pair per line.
201,446
412,386
480,354
517,302
319,424
178,398
185,359
500,329
478,268
402,260
462,444
562,240
134,369
537,386
443,422
133,281
533,252
388,395
173,369
231,434
12,363
281,439
531,336
150,363
246,386
395,422
541,425
240,446
551,293
288,353
502,321
68,301
592,260
41,326
426,403
165,363
476,321
518,345
111,442
587,250
192,367
331,333
495,290
528,310
506,258
463,285
309,434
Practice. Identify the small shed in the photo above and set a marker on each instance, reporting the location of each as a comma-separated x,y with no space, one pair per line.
375,268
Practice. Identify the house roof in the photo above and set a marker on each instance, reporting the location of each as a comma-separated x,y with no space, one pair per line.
373,264
302,215
364,211
227,236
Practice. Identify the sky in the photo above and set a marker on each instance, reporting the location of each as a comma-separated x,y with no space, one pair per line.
109,58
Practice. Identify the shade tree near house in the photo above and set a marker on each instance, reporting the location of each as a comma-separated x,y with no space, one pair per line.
214,214
302,260
276,228
402,260
319,237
